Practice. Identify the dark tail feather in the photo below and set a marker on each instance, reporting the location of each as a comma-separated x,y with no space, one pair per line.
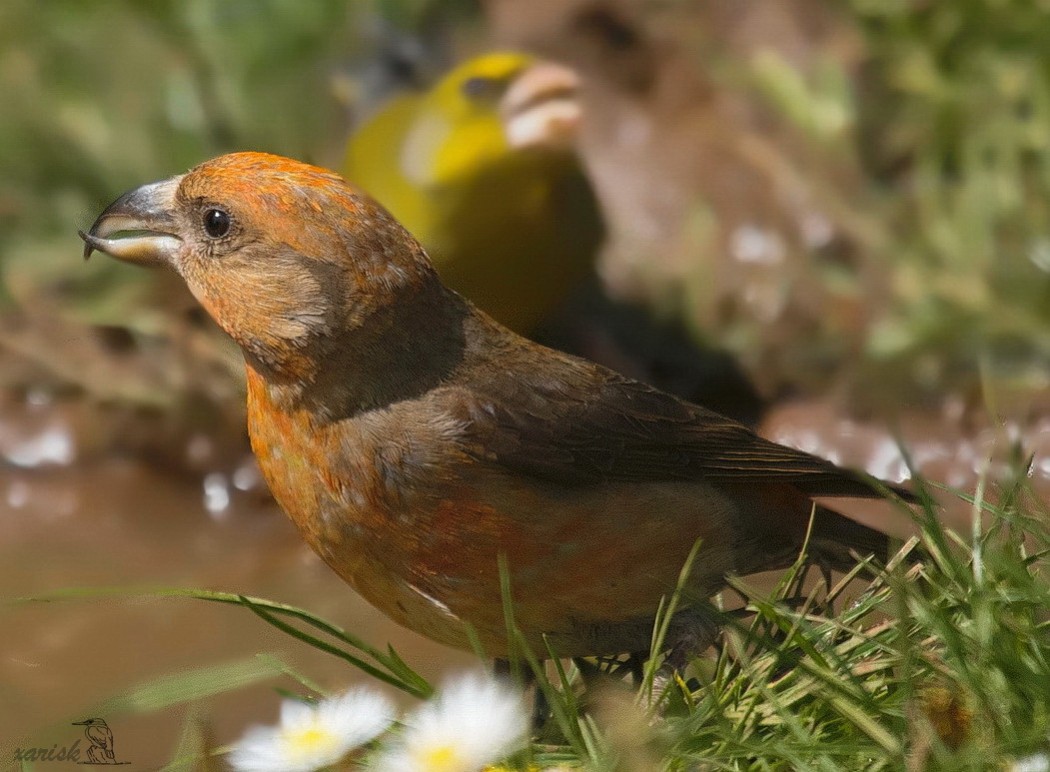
846,482
835,538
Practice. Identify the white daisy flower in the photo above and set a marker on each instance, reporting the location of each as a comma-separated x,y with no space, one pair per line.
473,722
313,736
1038,762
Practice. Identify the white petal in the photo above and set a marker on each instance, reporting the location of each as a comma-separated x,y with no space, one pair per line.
260,750
295,713
358,715
314,736
475,718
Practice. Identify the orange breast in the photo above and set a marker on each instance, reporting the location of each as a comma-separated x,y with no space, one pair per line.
422,544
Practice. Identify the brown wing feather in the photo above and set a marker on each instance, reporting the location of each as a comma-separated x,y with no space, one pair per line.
579,424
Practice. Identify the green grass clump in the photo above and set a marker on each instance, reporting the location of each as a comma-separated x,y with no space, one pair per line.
939,661
939,665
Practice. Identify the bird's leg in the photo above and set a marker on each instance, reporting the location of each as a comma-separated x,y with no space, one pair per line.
592,674
692,632
636,664
589,672
633,665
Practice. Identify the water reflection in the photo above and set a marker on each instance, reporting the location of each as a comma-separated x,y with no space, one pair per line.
119,522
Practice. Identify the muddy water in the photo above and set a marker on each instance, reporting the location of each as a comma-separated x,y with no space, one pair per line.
70,520
112,521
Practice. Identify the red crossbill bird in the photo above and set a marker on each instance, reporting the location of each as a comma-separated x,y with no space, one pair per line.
413,440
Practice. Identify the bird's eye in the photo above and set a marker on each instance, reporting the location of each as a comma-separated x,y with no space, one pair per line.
216,223
481,88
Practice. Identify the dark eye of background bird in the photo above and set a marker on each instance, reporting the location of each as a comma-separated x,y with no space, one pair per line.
483,88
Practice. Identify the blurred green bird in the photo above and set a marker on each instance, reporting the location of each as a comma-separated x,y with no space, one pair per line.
482,170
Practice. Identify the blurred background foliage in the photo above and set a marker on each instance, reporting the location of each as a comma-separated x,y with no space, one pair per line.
954,111
101,96
868,209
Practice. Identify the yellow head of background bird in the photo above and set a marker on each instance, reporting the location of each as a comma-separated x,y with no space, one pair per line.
482,170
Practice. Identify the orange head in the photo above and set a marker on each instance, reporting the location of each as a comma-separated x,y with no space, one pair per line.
288,258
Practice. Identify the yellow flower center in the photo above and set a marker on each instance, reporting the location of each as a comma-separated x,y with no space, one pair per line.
441,759
311,741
